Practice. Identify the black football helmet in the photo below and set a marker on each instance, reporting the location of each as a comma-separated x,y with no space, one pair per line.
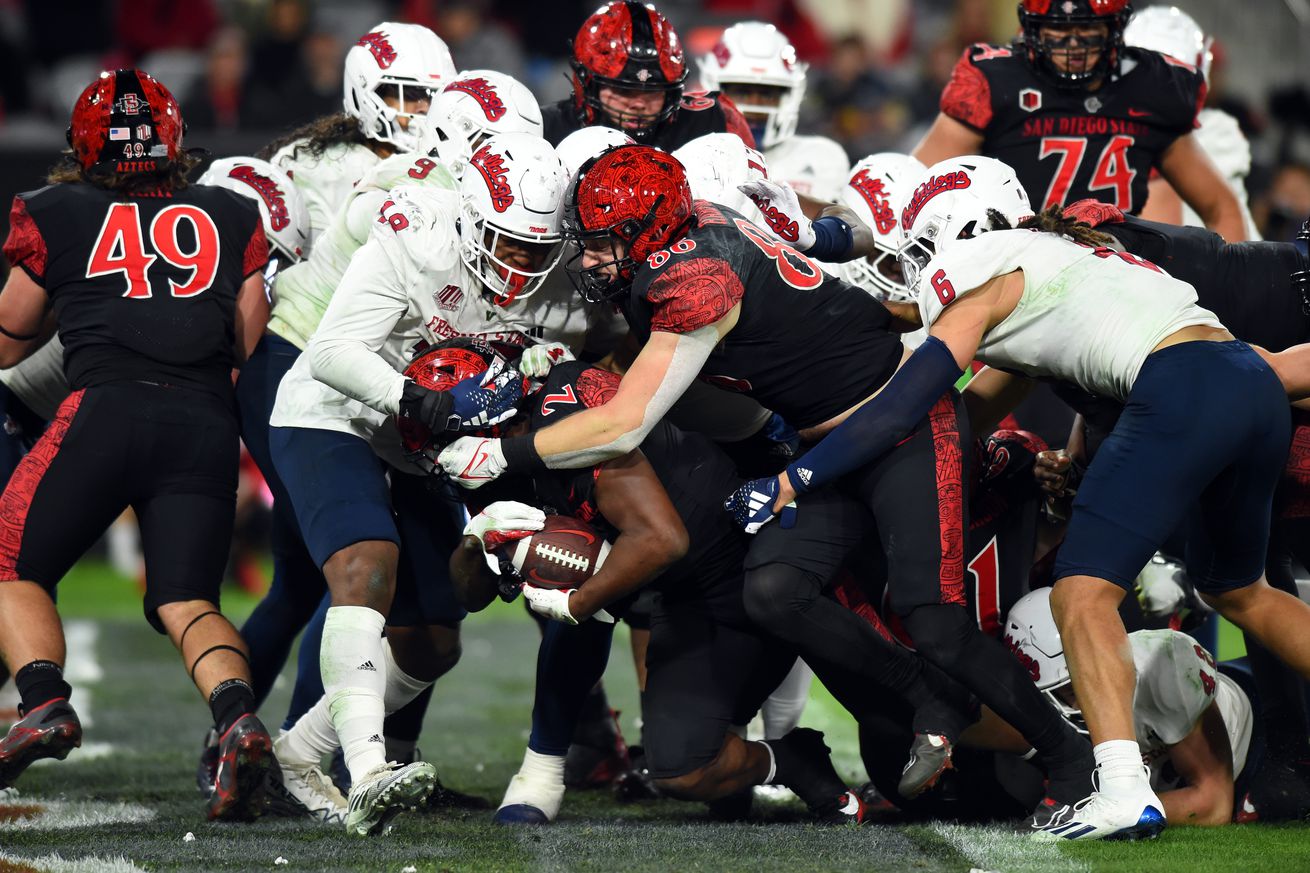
1037,14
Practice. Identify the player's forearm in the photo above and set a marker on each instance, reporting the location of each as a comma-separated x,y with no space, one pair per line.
636,558
1224,217
1205,805
355,370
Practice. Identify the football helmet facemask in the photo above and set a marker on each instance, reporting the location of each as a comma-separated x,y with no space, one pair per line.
406,61
879,185
754,56
1066,15
1031,634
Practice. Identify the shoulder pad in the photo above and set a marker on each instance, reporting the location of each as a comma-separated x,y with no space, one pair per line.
418,224
968,265
407,169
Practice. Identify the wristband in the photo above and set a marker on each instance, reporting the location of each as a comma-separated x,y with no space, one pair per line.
521,455
833,239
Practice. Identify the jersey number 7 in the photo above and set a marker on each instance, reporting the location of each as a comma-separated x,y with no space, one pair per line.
121,248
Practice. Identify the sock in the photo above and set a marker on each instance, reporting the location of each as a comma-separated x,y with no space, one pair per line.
230,700
782,711
1119,768
401,690
353,663
40,682
773,763
310,738
539,783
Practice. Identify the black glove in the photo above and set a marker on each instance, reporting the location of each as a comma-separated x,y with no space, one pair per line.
432,409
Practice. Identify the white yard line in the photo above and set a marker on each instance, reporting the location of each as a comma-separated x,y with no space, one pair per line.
65,814
58,864
1001,850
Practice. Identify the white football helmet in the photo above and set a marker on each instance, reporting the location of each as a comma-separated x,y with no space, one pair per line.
513,188
479,103
409,57
1031,634
957,198
281,206
716,164
877,189
588,142
1171,31
755,53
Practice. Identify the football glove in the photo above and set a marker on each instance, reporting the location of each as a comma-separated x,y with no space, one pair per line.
537,360
1094,212
553,603
782,213
432,409
751,505
504,522
472,461
488,398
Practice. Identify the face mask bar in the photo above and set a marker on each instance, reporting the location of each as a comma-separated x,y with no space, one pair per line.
505,281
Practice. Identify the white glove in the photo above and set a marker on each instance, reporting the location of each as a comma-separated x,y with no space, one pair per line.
537,360
1158,592
553,603
504,522
782,213
472,461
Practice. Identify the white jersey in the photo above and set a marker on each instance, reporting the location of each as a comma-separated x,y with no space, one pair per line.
812,165
325,180
1221,138
1086,316
38,380
302,291
406,286
1176,683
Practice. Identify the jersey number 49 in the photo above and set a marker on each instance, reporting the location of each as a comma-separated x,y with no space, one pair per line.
121,248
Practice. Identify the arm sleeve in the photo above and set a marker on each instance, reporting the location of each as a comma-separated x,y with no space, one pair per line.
967,97
343,352
877,426
25,247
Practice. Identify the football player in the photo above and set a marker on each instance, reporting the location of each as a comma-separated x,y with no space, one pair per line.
1195,726
629,72
158,292
877,187
755,66
441,261
1078,115
1171,31
987,292
477,104
712,295
658,507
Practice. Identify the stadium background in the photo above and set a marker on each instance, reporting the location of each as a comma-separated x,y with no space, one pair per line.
248,70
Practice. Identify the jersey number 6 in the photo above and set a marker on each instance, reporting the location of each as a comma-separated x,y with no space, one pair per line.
945,290
121,248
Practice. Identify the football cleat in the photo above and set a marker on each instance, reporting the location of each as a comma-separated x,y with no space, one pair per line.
207,768
520,814
309,789
847,808
1099,817
246,768
635,784
448,798
930,757
51,730
598,754
385,792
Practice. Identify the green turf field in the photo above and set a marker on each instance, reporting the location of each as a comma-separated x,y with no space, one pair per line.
126,800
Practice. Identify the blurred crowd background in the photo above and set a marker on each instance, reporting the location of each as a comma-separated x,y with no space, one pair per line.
246,70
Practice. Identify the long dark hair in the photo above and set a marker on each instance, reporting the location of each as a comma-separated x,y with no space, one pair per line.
171,177
1053,220
321,133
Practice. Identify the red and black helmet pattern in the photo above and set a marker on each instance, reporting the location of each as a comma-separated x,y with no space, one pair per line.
627,45
439,368
127,122
634,194
1036,14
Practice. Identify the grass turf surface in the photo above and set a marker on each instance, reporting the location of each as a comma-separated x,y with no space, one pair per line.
131,806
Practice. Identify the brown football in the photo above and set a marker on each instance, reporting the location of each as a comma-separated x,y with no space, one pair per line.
563,554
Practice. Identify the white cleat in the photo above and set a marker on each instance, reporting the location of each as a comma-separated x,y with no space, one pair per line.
384,792
312,789
1101,817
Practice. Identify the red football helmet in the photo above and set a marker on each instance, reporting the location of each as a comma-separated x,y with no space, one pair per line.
630,46
126,122
1037,14
635,195
440,368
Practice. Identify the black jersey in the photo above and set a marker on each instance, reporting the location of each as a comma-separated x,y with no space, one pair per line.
696,474
699,113
1247,284
806,344
143,287
1068,145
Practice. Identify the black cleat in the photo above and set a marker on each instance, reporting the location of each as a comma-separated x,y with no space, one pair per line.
207,768
246,769
930,757
49,731
448,798
846,809
635,784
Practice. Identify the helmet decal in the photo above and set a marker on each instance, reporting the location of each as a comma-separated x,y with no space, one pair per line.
484,93
875,194
127,122
492,167
935,185
268,191
380,47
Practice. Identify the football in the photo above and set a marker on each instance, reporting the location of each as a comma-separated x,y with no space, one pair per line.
563,554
